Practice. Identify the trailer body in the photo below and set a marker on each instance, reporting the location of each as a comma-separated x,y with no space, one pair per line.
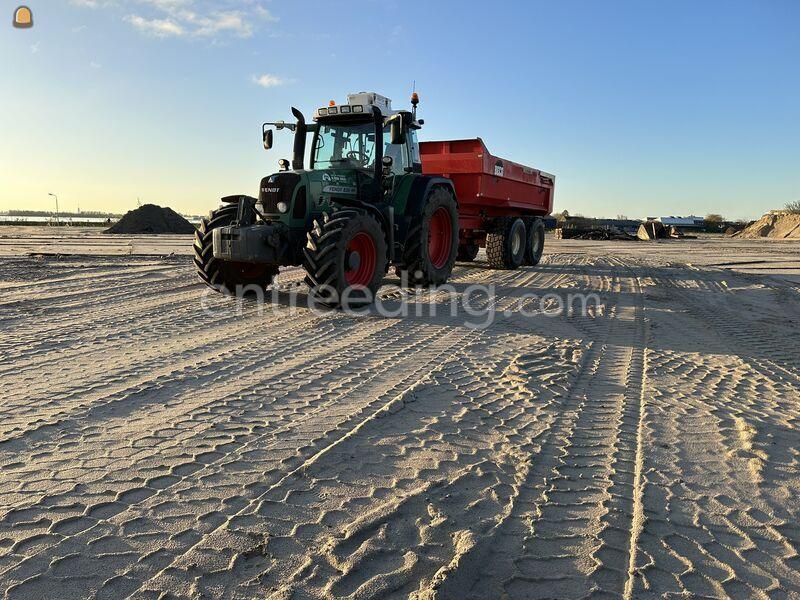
487,187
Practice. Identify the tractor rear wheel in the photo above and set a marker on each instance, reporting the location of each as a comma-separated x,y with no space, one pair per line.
432,242
467,253
345,258
534,245
505,244
225,276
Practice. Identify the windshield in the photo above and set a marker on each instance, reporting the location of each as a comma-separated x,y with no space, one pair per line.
345,146
352,146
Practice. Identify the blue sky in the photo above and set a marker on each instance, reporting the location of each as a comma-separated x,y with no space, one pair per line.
639,108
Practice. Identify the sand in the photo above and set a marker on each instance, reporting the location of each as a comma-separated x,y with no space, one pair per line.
773,225
648,449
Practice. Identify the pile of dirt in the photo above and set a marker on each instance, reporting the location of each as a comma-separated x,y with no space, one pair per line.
780,225
150,218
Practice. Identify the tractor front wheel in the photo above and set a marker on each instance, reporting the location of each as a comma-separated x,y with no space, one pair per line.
432,242
505,244
345,259
225,276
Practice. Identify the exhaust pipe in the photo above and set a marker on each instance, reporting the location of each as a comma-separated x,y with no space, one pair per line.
377,117
300,131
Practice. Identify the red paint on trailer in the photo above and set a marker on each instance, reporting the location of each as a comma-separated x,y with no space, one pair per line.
487,186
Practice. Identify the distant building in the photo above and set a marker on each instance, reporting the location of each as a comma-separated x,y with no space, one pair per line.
682,222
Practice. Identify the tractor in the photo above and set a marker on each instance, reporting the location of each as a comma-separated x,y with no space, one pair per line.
364,202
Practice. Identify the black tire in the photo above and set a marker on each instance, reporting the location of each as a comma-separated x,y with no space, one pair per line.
415,265
534,245
329,259
224,276
467,253
505,243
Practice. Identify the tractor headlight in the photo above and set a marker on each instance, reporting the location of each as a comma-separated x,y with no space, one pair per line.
358,108
344,109
283,207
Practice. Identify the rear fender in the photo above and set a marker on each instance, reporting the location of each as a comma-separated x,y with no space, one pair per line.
415,202
420,189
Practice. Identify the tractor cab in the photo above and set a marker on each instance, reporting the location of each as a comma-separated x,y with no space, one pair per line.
365,134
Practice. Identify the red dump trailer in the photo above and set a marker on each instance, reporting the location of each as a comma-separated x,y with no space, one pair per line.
500,202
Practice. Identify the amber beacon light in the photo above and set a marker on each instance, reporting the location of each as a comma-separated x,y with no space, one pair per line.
23,17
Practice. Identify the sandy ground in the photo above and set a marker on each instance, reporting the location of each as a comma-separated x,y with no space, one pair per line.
647,449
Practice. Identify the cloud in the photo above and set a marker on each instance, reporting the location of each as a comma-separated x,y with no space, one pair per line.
266,80
264,14
93,3
35,47
95,65
220,22
155,27
203,19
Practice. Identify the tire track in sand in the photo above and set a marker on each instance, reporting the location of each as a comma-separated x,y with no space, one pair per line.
571,523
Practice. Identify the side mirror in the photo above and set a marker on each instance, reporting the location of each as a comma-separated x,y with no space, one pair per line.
267,139
397,133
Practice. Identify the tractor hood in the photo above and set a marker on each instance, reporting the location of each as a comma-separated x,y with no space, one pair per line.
337,183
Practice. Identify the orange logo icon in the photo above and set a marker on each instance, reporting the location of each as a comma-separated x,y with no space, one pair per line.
23,18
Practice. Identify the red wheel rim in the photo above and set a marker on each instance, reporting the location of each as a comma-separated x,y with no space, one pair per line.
363,245
440,237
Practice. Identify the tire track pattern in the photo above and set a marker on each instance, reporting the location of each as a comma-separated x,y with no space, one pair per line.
648,448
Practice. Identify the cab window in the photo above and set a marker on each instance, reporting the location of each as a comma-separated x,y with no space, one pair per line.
398,152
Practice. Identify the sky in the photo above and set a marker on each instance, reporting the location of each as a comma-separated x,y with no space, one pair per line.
640,108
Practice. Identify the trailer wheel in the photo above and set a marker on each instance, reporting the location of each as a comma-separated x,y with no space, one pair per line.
467,253
345,259
225,276
535,242
431,244
505,244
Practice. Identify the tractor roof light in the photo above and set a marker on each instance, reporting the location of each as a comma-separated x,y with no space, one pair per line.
360,104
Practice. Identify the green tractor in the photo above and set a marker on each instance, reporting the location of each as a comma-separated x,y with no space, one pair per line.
361,205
